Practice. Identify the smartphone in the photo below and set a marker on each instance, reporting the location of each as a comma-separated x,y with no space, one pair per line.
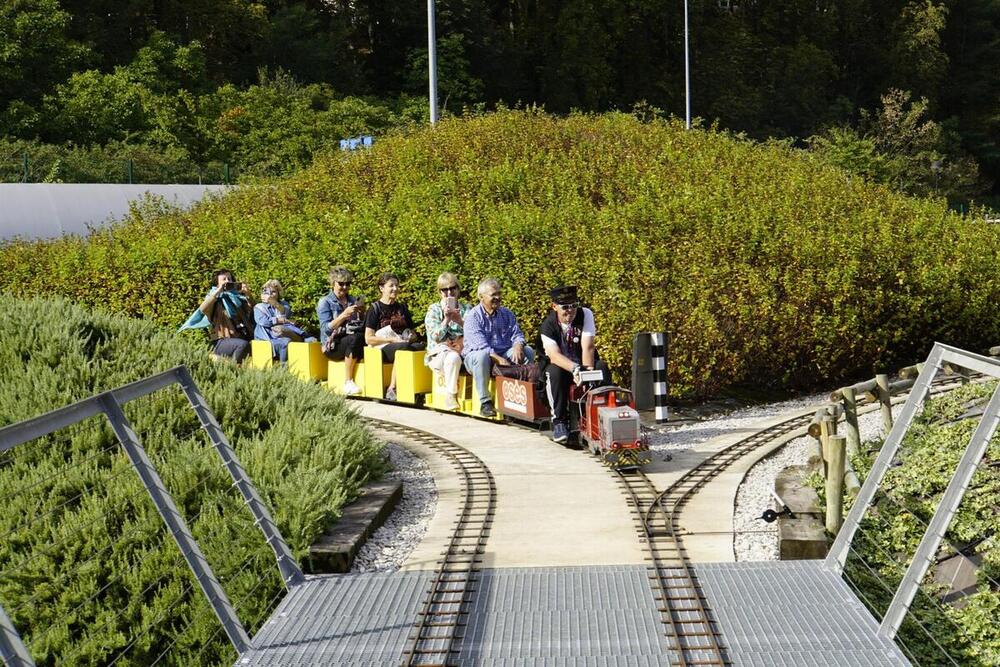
451,303
229,287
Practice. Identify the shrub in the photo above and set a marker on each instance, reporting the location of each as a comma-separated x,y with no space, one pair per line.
765,267
77,600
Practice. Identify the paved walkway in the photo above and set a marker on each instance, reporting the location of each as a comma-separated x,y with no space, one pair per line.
575,517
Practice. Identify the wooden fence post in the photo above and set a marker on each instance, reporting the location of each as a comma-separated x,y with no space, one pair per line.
828,428
837,449
885,399
851,421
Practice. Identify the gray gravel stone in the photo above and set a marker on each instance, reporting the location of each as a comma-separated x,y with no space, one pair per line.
390,545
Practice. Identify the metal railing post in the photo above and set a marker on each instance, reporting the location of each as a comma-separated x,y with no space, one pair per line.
176,524
291,574
13,652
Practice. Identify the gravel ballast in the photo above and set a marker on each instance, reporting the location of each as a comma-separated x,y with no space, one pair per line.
390,545
757,539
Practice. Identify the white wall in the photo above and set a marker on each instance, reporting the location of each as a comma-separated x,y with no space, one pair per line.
48,210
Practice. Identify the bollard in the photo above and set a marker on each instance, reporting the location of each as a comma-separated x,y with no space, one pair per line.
885,400
659,352
851,421
837,449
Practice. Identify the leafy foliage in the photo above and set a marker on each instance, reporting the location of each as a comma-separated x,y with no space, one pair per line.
88,570
964,632
765,267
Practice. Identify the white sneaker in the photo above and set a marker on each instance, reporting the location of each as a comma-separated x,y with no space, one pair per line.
351,389
451,403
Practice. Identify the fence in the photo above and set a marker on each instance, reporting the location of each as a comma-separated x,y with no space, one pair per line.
55,164
88,638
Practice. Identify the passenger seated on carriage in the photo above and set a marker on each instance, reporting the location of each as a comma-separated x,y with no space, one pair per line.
341,325
389,327
227,313
567,337
443,324
274,324
492,336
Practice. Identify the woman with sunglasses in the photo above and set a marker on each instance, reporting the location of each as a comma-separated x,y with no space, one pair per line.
567,337
443,324
341,325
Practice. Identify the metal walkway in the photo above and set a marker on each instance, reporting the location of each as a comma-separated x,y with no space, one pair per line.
775,613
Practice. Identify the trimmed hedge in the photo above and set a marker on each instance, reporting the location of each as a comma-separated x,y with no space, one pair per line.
766,267
67,497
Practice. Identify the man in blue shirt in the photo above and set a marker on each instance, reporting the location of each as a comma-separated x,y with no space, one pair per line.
492,336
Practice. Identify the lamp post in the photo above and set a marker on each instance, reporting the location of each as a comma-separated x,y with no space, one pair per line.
687,72
432,61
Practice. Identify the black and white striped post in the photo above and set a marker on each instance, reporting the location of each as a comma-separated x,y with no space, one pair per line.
658,348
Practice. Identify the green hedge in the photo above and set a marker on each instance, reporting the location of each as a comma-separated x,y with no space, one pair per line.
766,267
69,496
889,535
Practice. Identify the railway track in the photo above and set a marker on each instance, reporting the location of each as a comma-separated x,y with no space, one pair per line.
445,608
692,634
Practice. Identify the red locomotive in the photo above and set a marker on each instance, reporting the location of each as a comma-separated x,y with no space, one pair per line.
602,419
610,428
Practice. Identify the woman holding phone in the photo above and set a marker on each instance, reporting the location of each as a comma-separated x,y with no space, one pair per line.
341,325
443,323
228,315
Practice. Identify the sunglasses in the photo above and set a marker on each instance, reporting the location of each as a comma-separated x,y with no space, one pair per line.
347,284
453,288
568,306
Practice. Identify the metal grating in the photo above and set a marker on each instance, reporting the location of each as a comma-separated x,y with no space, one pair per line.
521,616
792,613
564,616
770,613
353,619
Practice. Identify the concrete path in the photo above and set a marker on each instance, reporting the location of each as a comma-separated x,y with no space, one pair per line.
555,506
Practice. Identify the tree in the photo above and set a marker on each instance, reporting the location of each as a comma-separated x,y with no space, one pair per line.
36,52
899,144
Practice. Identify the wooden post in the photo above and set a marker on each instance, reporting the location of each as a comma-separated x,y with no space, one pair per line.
851,420
835,483
885,399
828,428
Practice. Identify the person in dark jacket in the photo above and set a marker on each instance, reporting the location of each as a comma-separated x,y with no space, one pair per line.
567,338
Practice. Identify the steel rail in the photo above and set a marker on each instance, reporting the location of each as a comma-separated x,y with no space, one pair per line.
691,631
446,605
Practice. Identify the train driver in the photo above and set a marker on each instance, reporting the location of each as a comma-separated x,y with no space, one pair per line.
492,336
567,337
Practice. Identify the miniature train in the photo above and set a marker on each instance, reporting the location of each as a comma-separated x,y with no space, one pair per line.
602,419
